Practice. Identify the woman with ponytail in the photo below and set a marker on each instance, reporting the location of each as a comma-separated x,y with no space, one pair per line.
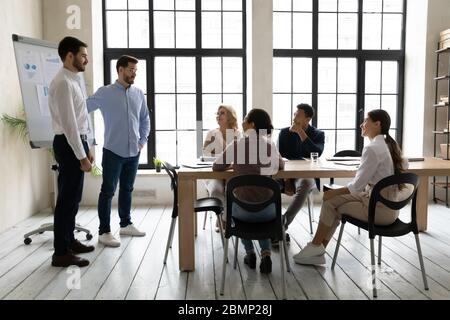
381,158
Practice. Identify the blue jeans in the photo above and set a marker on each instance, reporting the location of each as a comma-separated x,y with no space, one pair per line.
266,214
115,168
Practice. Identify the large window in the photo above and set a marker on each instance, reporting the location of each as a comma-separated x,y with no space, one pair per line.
345,57
191,59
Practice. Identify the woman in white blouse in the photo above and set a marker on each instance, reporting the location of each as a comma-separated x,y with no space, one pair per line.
380,158
215,143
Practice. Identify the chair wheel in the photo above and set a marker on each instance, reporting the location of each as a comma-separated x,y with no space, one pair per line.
27,241
88,236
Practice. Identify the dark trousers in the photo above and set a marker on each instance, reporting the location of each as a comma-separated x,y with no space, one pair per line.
70,190
115,169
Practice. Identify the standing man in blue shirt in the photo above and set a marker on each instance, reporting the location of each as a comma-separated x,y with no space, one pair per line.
296,143
127,126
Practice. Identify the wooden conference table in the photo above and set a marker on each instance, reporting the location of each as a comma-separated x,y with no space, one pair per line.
187,179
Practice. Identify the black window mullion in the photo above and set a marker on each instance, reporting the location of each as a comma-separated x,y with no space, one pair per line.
315,61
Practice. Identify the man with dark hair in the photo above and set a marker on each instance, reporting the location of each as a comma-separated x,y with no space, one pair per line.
296,143
67,103
127,126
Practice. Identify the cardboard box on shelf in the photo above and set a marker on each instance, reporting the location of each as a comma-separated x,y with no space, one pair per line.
444,44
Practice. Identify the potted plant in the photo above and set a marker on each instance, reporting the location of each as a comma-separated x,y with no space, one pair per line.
157,162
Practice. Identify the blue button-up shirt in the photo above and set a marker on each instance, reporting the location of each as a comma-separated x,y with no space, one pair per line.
126,117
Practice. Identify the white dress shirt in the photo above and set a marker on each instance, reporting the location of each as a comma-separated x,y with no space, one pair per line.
376,164
67,103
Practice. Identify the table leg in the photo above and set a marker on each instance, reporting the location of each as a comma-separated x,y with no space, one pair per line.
422,203
186,224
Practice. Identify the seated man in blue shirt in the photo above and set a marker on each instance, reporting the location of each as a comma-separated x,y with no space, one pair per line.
295,143
127,126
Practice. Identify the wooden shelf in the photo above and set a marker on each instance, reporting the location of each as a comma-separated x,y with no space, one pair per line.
443,50
441,105
441,132
442,78
441,184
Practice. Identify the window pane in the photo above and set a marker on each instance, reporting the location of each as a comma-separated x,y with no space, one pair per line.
393,5
165,74
281,110
303,5
348,31
327,75
212,75
347,75
302,31
116,4
113,71
139,29
166,146
138,4
211,30
186,141
165,112
232,75
330,142
185,29
372,102
282,30
232,30
348,5
143,158
116,29
345,140
302,74
300,98
164,29
186,112
327,111
346,110
185,4
185,75
211,5
389,103
211,103
328,5
141,75
282,75
283,5
371,31
373,75
390,76
232,5
392,36
235,101
372,5
327,31
163,5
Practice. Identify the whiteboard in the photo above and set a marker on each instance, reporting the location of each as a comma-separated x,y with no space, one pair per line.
37,64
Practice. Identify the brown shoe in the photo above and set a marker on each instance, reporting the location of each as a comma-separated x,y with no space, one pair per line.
78,247
69,259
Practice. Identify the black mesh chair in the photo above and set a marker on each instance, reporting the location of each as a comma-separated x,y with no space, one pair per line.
254,230
396,229
200,205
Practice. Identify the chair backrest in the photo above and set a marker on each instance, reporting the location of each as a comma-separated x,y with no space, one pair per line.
347,153
173,185
269,229
394,180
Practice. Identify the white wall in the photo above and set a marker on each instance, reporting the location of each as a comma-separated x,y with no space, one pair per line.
25,173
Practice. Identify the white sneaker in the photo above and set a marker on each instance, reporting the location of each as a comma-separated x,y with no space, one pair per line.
108,240
131,230
311,254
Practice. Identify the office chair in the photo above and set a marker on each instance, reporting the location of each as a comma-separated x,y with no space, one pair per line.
203,204
396,229
254,230
49,226
342,153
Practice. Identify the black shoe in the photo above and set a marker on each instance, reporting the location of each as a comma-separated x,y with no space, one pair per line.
69,259
265,265
250,260
78,247
275,241
288,238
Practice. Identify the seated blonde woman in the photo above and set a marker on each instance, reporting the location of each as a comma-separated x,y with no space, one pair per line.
216,141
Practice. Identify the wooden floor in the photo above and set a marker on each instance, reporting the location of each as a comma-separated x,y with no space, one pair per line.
135,269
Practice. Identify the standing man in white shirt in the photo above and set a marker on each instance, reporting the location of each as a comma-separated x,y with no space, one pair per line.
67,103
127,126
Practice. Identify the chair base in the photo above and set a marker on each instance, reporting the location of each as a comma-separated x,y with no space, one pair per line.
49,227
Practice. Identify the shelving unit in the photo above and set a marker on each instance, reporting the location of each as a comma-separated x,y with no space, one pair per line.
442,78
